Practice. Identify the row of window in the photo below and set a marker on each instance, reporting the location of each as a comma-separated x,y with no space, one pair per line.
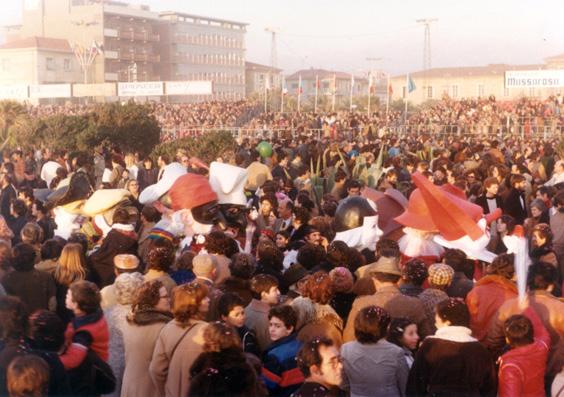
231,59
214,40
217,77
51,64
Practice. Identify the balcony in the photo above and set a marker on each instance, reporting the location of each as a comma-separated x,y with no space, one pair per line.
126,34
111,54
111,76
108,32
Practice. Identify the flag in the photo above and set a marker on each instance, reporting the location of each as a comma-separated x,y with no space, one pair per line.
284,88
317,83
334,83
352,81
98,47
267,83
300,89
371,84
390,89
410,84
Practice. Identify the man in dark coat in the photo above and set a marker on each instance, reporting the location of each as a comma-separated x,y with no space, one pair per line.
514,203
122,239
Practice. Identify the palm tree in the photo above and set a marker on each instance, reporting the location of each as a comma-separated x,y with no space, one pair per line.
12,114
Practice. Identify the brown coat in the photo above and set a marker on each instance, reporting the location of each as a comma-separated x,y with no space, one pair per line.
551,312
397,305
139,343
171,375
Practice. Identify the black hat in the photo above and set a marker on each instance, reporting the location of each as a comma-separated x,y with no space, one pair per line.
351,212
79,188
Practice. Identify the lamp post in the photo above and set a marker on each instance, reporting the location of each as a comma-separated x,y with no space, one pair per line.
85,56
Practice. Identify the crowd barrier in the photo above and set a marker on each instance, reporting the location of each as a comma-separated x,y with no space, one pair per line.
522,131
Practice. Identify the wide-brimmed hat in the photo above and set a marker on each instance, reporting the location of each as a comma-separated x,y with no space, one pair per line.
78,188
153,192
228,181
392,204
104,199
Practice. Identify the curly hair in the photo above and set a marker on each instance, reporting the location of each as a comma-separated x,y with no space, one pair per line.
337,253
455,311
13,318
46,330
186,300
311,255
269,255
219,336
217,243
371,324
242,265
147,296
319,288
397,329
502,265
161,255
545,232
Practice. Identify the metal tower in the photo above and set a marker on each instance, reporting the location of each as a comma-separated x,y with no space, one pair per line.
427,41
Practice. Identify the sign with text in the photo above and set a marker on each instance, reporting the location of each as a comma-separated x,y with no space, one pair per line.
50,91
534,78
13,91
93,90
143,88
189,88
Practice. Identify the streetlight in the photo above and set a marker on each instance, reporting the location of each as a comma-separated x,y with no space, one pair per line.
84,56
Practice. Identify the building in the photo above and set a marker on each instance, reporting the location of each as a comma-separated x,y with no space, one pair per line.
327,81
125,32
38,60
200,48
256,77
472,82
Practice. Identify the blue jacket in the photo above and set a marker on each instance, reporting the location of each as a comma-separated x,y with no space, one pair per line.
280,370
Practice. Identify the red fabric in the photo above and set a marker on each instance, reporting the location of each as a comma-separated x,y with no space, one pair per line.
190,191
74,354
483,301
522,369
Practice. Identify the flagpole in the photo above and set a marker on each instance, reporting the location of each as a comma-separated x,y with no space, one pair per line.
316,91
299,93
369,91
351,93
334,91
265,95
406,95
387,97
282,96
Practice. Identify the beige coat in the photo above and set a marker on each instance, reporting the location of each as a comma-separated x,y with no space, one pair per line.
139,343
171,375
396,304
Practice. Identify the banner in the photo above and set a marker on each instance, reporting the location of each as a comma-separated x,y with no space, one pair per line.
534,78
144,88
93,90
50,91
13,91
189,88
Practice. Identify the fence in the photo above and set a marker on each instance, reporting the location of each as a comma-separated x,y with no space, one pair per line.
519,130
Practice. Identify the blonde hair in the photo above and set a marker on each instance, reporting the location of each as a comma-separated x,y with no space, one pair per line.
71,266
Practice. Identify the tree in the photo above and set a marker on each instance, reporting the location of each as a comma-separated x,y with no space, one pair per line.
12,114
207,147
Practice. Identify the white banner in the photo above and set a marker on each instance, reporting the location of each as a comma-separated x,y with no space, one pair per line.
534,78
93,90
189,88
50,91
13,91
144,88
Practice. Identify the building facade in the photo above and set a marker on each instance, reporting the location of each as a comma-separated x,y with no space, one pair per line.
38,60
200,48
260,77
471,82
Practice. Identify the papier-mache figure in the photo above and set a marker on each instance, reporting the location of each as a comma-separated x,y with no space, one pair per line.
459,224
356,224
389,205
67,201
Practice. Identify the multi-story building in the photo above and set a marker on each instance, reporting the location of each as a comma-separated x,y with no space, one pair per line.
38,60
259,77
329,82
126,33
201,48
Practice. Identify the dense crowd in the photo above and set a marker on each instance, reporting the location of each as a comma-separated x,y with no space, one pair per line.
130,276
467,116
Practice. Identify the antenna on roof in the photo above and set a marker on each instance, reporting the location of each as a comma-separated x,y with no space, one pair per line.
427,41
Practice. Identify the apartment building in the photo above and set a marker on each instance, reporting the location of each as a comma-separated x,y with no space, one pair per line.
200,48
259,77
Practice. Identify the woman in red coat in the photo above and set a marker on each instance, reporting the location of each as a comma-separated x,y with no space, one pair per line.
489,293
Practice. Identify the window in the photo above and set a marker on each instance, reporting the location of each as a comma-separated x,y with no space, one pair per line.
50,63
67,65
481,90
429,92
455,91
506,91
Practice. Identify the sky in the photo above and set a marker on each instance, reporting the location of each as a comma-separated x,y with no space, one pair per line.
341,34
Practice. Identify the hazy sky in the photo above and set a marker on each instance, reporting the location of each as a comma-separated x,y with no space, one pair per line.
341,34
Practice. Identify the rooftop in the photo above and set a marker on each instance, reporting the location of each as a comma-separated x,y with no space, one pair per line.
259,67
42,43
192,16
469,71
312,74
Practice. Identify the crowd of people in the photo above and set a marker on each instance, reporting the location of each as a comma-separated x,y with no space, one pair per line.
526,116
101,293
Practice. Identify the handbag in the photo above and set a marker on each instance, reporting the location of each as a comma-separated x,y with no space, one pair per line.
180,340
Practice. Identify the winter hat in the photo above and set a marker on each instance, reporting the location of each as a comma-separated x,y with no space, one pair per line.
190,191
294,274
440,274
342,279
